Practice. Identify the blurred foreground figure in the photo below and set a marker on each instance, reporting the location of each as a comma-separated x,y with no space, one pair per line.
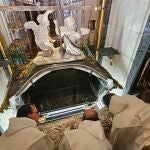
146,148
89,135
22,133
126,126
143,140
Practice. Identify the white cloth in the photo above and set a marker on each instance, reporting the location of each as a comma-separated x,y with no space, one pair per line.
22,134
144,116
127,128
124,109
88,136
124,138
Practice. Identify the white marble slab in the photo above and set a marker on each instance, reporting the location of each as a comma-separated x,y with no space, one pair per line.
119,70
128,42
40,60
110,35
3,85
126,24
136,15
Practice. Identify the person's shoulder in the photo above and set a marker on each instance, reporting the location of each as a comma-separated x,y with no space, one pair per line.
43,143
36,132
133,98
64,144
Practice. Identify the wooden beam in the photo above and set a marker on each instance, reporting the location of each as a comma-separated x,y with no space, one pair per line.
44,8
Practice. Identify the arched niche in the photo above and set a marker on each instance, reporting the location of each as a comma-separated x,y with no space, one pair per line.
96,71
63,88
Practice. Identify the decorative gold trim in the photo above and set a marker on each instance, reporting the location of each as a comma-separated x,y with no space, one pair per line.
99,24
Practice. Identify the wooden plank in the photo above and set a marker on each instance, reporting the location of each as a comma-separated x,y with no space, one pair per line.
44,8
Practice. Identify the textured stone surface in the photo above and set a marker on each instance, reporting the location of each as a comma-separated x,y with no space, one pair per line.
139,57
55,129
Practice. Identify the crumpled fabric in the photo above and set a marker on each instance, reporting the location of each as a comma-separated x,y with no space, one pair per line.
144,116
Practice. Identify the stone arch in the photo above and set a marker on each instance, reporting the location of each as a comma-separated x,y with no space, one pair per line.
39,74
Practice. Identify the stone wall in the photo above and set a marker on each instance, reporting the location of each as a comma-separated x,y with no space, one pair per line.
55,130
3,84
126,25
3,26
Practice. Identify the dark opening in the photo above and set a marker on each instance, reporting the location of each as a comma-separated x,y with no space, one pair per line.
62,88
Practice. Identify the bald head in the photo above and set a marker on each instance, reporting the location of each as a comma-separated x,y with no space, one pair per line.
90,114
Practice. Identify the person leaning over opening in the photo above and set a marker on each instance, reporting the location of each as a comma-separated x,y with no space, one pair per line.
126,126
89,135
22,133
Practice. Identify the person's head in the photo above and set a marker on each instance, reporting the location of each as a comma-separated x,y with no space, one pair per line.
28,110
107,98
90,114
